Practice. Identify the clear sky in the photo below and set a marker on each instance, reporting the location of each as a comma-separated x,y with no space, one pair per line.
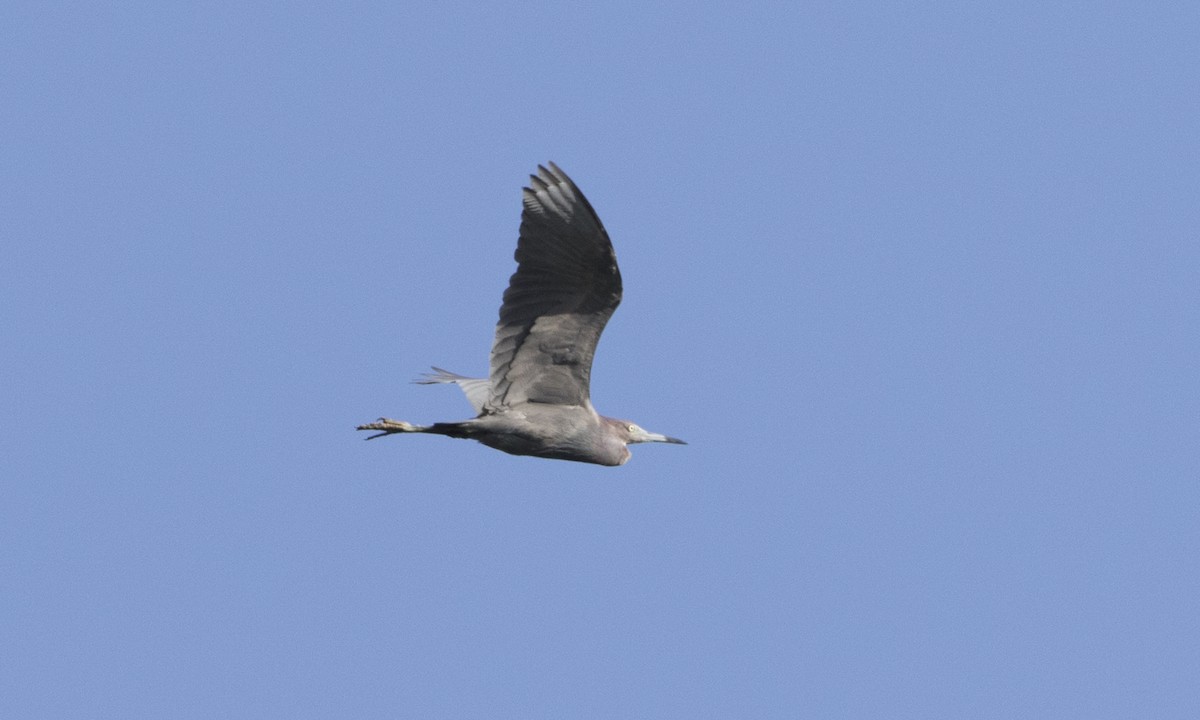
919,282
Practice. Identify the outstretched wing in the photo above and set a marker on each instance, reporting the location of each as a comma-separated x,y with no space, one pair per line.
565,289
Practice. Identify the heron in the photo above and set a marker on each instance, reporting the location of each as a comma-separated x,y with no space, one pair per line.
536,399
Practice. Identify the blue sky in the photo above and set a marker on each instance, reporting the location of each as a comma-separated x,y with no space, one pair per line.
917,281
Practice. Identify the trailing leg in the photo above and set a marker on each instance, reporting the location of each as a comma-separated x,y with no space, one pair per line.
387,426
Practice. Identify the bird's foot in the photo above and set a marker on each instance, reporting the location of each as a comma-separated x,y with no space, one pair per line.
387,426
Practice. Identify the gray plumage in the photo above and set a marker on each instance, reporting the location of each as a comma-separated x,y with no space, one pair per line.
536,398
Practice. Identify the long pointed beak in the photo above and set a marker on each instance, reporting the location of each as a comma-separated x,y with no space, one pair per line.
655,437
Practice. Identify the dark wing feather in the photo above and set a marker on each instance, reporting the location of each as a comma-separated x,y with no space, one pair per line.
566,287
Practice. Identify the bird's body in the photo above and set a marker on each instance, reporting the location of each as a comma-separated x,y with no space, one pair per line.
536,399
549,431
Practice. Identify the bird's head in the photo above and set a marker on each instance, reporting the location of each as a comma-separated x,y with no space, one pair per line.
631,433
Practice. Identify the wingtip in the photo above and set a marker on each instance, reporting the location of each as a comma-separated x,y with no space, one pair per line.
557,173
543,181
550,173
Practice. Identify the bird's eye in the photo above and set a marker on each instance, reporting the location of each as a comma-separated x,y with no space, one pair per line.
632,428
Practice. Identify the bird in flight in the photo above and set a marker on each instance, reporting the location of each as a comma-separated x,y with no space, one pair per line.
536,399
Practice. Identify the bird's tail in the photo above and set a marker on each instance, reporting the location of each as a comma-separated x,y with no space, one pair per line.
439,376
477,390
